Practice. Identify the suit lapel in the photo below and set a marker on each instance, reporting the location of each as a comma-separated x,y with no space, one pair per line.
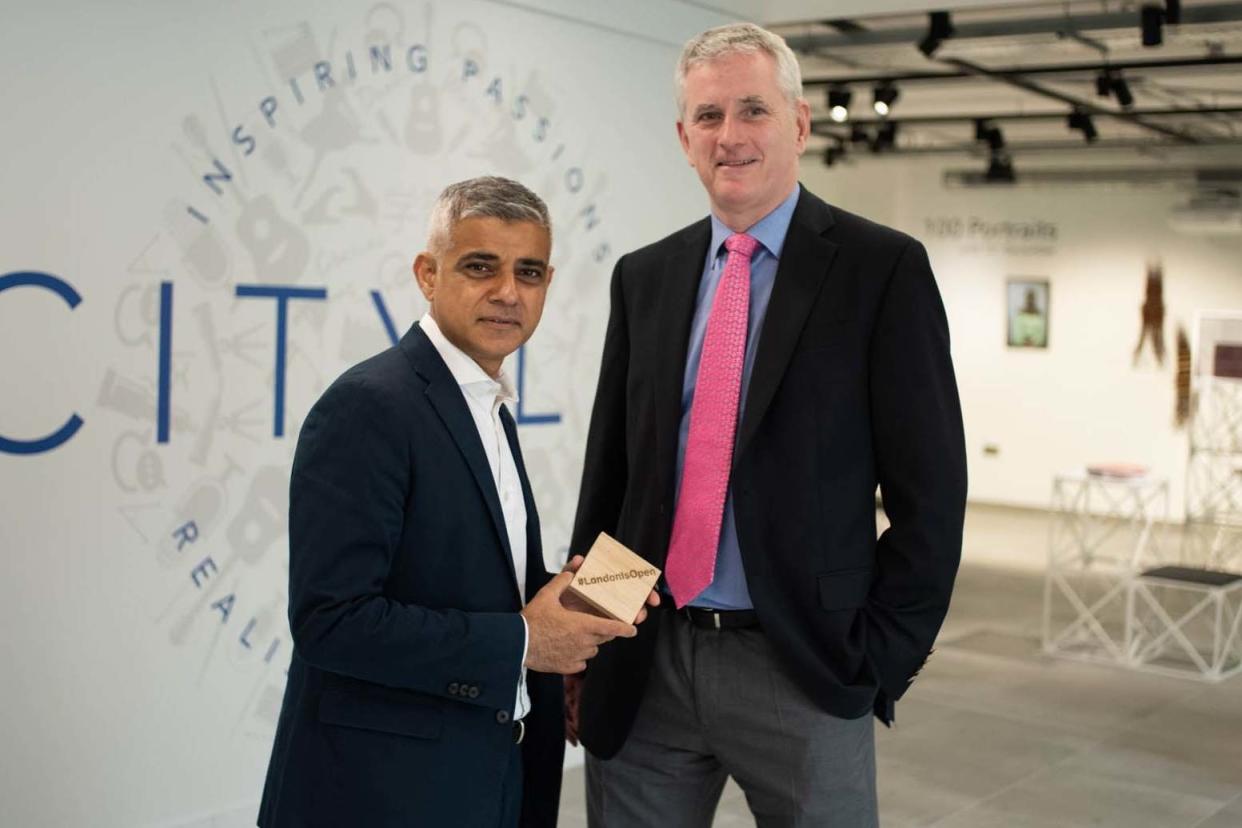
683,271
805,261
446,398
536,573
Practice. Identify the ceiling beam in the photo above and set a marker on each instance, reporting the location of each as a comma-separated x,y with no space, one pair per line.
1085,105
1065,68
821,123
974,148
811,42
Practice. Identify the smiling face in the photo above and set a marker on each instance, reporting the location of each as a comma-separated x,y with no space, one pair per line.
742,135
487,286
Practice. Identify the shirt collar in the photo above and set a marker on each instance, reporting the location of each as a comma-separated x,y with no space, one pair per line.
769,231
468,373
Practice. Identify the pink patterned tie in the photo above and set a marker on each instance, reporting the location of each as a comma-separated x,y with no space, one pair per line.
691,562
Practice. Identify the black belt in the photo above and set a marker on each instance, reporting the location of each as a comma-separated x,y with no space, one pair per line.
714,619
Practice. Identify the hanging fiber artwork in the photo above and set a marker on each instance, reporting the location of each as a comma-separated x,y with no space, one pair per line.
1152,314
1182,379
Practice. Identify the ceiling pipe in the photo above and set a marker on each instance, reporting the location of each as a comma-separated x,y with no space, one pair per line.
810,42
1031,116
1051,69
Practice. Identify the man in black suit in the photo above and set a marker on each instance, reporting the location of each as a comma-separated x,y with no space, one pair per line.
764,369
429,640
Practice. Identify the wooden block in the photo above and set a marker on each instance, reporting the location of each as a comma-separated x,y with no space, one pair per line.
614,580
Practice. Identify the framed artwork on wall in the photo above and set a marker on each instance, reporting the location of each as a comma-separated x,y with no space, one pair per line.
1027,318
1219,335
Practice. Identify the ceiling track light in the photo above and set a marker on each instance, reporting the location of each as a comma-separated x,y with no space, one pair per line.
1104,83
990,133
1000,169
839,103
1080,120
1121,90
885,95
939,29
1110,82
1151,23
1172,12
885,137
833,153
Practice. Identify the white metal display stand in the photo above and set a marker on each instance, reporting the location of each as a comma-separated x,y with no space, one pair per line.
1214,475
1186,621
1103,530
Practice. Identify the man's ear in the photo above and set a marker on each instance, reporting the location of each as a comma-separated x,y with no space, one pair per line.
802,119
685,141
425,273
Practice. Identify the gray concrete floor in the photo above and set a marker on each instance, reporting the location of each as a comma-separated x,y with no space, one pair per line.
994,733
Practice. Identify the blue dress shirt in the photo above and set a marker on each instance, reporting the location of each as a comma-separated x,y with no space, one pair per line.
728,589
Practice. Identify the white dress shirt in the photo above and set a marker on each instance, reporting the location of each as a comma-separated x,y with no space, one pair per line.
484,396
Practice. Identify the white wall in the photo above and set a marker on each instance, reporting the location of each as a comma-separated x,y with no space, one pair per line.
1082,399
141,682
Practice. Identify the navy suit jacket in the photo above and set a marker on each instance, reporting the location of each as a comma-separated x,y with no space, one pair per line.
403,606
852,387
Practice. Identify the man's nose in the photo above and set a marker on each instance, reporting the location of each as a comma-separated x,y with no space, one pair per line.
505,290
730,131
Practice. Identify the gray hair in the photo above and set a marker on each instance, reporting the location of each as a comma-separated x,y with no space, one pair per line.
488,196
739,38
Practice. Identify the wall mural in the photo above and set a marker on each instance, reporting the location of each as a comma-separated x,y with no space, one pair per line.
278,200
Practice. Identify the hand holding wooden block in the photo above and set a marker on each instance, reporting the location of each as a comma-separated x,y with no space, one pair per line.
614,580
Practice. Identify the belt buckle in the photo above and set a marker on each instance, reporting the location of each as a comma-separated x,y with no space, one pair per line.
716,618
520,727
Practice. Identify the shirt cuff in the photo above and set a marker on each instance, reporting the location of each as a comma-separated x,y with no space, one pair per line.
519,709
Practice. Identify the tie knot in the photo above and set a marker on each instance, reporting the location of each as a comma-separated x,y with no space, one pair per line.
742,244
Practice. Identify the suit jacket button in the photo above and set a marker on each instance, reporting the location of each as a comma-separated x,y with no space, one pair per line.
502,716
452,688
473,692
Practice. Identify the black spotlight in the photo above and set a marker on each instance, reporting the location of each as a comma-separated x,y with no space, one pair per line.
885,137
1109,82
858,135
1152,22
1082,121
1000,169
987,131
885,96
1172,12
833,153
939,29
1104,83
1122,90
839,103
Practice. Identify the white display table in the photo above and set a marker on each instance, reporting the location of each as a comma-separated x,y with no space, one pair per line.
1104,531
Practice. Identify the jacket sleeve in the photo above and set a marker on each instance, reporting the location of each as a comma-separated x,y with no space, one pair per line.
350,483
921,467
605,468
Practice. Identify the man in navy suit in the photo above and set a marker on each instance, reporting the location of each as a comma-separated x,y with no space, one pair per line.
429,640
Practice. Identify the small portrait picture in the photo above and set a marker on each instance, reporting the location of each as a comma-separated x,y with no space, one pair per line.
1027,301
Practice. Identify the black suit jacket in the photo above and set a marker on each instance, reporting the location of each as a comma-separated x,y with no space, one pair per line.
403,605
852,387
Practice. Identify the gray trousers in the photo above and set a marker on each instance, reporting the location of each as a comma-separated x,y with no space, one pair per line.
717,705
